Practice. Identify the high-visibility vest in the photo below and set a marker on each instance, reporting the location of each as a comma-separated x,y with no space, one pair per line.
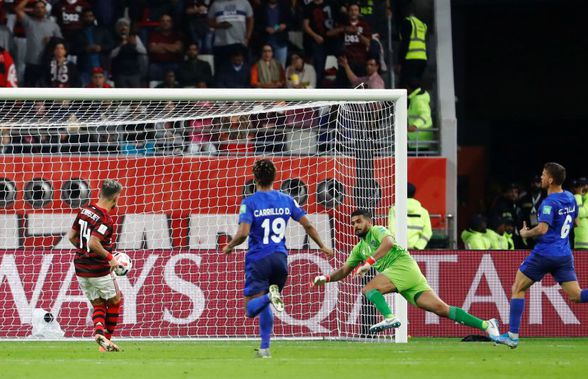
581,230
419,115
417,47
418,226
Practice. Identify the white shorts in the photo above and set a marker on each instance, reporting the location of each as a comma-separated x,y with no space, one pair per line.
102,287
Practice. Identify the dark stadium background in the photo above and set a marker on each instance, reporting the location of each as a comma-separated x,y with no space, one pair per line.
521,75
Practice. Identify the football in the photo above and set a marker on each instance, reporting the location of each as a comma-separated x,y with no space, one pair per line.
124,264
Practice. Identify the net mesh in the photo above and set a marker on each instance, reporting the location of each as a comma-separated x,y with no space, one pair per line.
185,167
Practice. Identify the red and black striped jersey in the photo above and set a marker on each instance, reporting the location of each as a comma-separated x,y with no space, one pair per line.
93,221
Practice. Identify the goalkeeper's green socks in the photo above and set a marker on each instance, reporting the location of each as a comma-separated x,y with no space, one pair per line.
463,317
376,298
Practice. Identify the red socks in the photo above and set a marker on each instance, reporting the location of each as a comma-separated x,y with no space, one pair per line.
98,317
111,318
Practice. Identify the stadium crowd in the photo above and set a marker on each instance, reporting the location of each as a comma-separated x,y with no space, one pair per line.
208,43
215,43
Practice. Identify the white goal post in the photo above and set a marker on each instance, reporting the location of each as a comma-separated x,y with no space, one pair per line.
184,158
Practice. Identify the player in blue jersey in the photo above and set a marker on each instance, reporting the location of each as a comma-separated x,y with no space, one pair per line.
263,218
552,253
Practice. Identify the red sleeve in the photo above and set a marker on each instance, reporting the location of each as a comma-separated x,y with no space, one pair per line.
76,224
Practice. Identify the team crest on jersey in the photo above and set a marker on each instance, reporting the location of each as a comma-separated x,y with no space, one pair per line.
547,210
374,244
243,209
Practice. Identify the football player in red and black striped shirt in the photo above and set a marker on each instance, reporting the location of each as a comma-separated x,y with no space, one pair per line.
92,235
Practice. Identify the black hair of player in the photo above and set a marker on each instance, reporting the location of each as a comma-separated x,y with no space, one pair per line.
362,212
110,188
264,172
556,171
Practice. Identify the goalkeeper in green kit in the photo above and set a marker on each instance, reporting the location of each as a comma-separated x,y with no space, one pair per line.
397,272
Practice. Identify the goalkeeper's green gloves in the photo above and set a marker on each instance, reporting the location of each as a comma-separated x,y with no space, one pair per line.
319,280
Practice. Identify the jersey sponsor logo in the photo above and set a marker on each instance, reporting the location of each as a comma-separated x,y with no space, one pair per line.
271,212
547,210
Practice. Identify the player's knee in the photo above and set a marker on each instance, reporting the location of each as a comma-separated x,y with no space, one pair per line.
575,297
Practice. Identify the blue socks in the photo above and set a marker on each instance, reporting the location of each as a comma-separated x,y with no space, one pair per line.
516,313
266,324
584,296
256,305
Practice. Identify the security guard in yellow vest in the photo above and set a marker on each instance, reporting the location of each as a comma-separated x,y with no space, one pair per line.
580,190
418,221
476,237
420,121
412,50
501,236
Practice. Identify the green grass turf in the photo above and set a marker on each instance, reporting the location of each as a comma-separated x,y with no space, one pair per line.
421,358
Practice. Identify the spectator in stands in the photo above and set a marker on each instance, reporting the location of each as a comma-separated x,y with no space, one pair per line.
530,206
580,190
507,206
300,74
98,79
267,72
193,70
355,37
93,44
201,137
197,22
60,72
165,49
232,21
235,135
39,30
169,135
418,219
273,18
169,81
475,238
412,53
420,121
129,57
7,70
235,75
372,80
5,141
109,11
501,236
68,14
319,18
6,35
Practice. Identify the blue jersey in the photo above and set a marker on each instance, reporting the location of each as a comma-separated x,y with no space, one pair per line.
268,213
558,210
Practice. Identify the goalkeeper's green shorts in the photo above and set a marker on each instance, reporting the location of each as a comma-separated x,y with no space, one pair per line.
407,277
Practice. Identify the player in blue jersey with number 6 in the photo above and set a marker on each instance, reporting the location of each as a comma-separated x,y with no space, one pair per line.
552,253
263,218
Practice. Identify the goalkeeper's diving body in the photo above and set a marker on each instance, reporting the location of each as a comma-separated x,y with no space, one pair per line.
398,272
263,218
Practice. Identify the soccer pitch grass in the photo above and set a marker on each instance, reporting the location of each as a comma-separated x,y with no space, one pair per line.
421,358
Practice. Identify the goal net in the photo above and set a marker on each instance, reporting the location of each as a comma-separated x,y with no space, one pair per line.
184,158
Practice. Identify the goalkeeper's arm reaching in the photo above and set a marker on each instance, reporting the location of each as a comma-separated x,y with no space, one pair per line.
335,276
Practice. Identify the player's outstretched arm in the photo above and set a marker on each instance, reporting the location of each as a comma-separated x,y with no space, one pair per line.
335,276
96,246
238,238
313,233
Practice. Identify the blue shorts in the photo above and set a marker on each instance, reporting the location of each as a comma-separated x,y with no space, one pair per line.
535,266
262,273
